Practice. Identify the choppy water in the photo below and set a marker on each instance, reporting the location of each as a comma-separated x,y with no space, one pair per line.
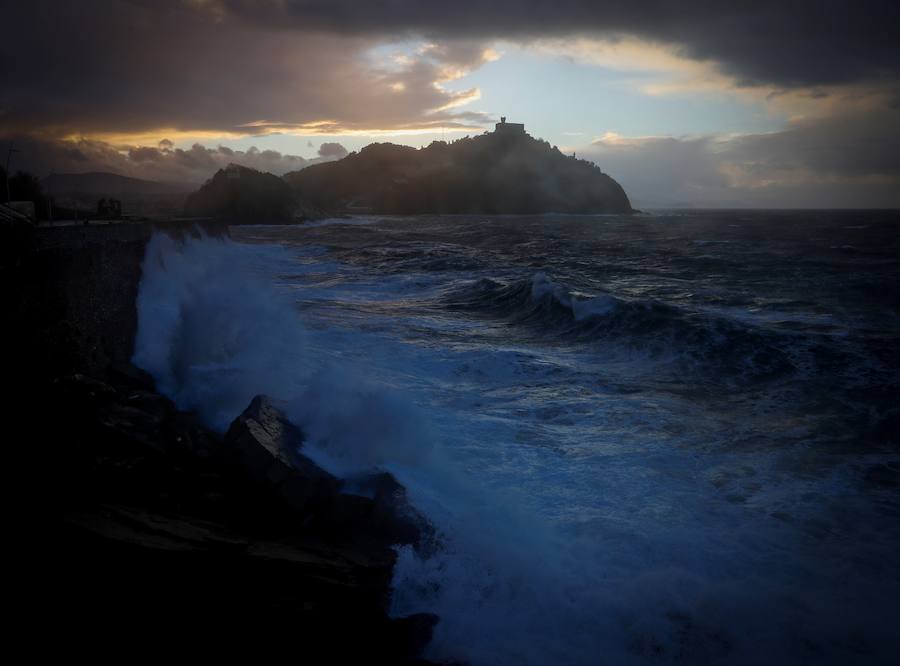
662,439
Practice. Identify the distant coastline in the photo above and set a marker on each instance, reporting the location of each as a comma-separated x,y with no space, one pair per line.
501,172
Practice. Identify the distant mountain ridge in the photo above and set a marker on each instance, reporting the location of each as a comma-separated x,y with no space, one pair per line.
110,184
506,171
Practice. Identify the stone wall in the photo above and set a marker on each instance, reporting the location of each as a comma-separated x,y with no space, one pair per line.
70,295
81,296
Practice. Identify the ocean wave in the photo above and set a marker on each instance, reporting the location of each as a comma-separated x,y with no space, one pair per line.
696,340
624,532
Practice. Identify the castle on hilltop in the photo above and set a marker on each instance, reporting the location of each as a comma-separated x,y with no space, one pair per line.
504,127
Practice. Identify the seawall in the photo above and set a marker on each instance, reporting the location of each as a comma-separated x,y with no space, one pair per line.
81,291
72,293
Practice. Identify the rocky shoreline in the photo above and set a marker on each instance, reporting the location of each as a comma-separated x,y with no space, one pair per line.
146,524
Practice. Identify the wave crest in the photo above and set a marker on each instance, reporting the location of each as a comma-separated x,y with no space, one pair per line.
693,341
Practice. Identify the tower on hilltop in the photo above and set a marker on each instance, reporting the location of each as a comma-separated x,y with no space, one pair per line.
504,127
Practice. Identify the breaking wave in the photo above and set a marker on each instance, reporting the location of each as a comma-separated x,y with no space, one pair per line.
697,342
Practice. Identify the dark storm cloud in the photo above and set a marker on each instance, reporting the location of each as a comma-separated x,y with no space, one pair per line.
253,66
133,71
93,67
781,42
855,144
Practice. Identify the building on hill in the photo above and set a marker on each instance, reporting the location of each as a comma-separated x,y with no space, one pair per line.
504,127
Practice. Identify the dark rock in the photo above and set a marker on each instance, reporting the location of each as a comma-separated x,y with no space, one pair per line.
130,376
137,416
135,424
149,402
414,632
266,445
392,516
83,389
190,435
211,546
374,508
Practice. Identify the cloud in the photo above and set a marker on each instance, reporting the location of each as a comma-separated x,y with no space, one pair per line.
332,150
209,68
141,70
163,162
95,85
847,160
660,171
784,42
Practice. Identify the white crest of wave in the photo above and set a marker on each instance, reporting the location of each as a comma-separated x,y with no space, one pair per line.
581,307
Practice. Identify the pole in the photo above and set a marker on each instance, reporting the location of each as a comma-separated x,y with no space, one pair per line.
8,155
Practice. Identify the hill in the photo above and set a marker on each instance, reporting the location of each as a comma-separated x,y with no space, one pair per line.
244,195
501,172
109,184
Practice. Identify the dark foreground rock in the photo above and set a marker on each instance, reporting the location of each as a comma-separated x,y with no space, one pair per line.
134,530
372,511
161,523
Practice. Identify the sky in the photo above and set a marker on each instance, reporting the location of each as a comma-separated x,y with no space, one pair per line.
688,104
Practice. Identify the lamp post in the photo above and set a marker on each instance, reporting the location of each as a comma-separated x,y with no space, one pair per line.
8,156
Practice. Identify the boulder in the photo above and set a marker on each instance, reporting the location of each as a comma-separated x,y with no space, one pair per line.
130,376
391,517
372,508
267,446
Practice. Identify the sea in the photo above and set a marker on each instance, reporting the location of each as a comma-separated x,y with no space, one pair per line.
667,438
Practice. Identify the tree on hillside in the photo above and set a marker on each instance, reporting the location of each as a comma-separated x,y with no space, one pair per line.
24,186
241,194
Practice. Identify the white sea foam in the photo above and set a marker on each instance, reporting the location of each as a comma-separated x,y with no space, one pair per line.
582,307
